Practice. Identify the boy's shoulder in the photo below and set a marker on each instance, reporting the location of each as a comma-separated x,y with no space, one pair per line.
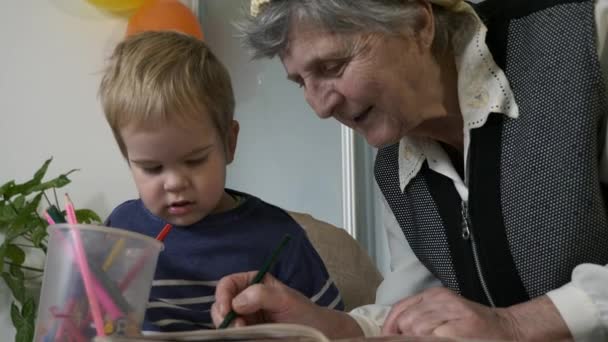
132,204
267,216
130,215
127,208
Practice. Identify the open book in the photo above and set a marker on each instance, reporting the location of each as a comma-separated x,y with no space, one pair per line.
269,332
261,332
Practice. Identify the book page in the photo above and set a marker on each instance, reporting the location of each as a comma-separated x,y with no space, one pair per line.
291,332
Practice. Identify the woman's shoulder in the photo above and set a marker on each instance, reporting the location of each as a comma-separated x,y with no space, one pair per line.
513,9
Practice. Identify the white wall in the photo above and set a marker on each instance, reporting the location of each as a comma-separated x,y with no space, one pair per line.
51,55
285,155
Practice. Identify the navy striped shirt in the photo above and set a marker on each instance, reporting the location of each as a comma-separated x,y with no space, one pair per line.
196,257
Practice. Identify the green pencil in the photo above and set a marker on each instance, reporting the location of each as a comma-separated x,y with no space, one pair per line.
258,277
55,214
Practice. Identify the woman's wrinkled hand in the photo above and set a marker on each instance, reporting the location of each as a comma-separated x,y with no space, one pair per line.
267,302
441,312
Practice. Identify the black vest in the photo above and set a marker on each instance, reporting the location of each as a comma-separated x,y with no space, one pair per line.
536,206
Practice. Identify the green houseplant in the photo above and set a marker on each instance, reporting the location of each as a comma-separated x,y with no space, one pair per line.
25,232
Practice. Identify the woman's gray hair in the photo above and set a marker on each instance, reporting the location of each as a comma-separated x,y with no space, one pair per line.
266,34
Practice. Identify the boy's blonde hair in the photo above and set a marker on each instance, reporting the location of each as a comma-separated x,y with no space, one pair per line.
159,77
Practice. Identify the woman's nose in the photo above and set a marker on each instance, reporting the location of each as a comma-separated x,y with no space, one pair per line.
323,98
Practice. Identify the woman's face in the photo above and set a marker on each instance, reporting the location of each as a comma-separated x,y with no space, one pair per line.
382,86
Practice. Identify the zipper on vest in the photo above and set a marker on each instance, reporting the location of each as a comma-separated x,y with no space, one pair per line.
467,234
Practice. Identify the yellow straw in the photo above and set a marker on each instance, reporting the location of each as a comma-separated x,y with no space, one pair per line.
116,249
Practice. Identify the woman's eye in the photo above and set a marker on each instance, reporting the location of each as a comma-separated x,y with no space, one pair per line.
152,170
299,82
333,68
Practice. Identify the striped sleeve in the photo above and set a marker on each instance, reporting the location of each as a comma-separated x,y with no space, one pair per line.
303,270
180,304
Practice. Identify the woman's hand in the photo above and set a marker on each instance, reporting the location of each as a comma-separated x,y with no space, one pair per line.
273,302
267,302
441,312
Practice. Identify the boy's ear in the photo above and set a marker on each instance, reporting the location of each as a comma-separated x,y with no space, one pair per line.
233,134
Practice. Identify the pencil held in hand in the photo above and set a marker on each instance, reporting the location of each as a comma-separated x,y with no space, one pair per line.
258,277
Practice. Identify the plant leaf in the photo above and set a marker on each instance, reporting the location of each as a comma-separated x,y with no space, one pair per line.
38,236
2,254
16,272
6,187
16,254
25,188
28,312
6,213
27,220
19,203
87,216
29,308
59,182
34,203
32,185
16,316
42,171
29,209
17,287
25,332
15,230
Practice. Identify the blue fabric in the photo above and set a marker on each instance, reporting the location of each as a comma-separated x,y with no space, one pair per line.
197,256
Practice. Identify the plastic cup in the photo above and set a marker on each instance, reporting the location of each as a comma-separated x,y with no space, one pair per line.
109,296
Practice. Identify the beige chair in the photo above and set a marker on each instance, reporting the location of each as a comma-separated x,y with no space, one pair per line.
347,262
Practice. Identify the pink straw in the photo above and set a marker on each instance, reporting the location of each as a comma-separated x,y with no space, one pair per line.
71,327
71,306
84,268
106,302
48,218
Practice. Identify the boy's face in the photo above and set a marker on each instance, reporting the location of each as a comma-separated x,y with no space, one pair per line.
180,170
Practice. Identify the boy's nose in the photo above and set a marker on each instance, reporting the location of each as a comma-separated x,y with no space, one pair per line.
175,181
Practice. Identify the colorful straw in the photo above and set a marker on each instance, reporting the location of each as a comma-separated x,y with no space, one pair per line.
84,268
126,281
116,249
163,233
110,298
48,218
72,329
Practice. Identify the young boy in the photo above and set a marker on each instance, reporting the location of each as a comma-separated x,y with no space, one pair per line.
170,105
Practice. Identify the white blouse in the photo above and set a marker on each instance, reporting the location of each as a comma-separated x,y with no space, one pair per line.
583,303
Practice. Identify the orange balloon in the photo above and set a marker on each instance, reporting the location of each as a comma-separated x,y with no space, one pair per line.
163,15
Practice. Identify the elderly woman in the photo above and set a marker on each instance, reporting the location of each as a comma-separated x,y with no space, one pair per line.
490,128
